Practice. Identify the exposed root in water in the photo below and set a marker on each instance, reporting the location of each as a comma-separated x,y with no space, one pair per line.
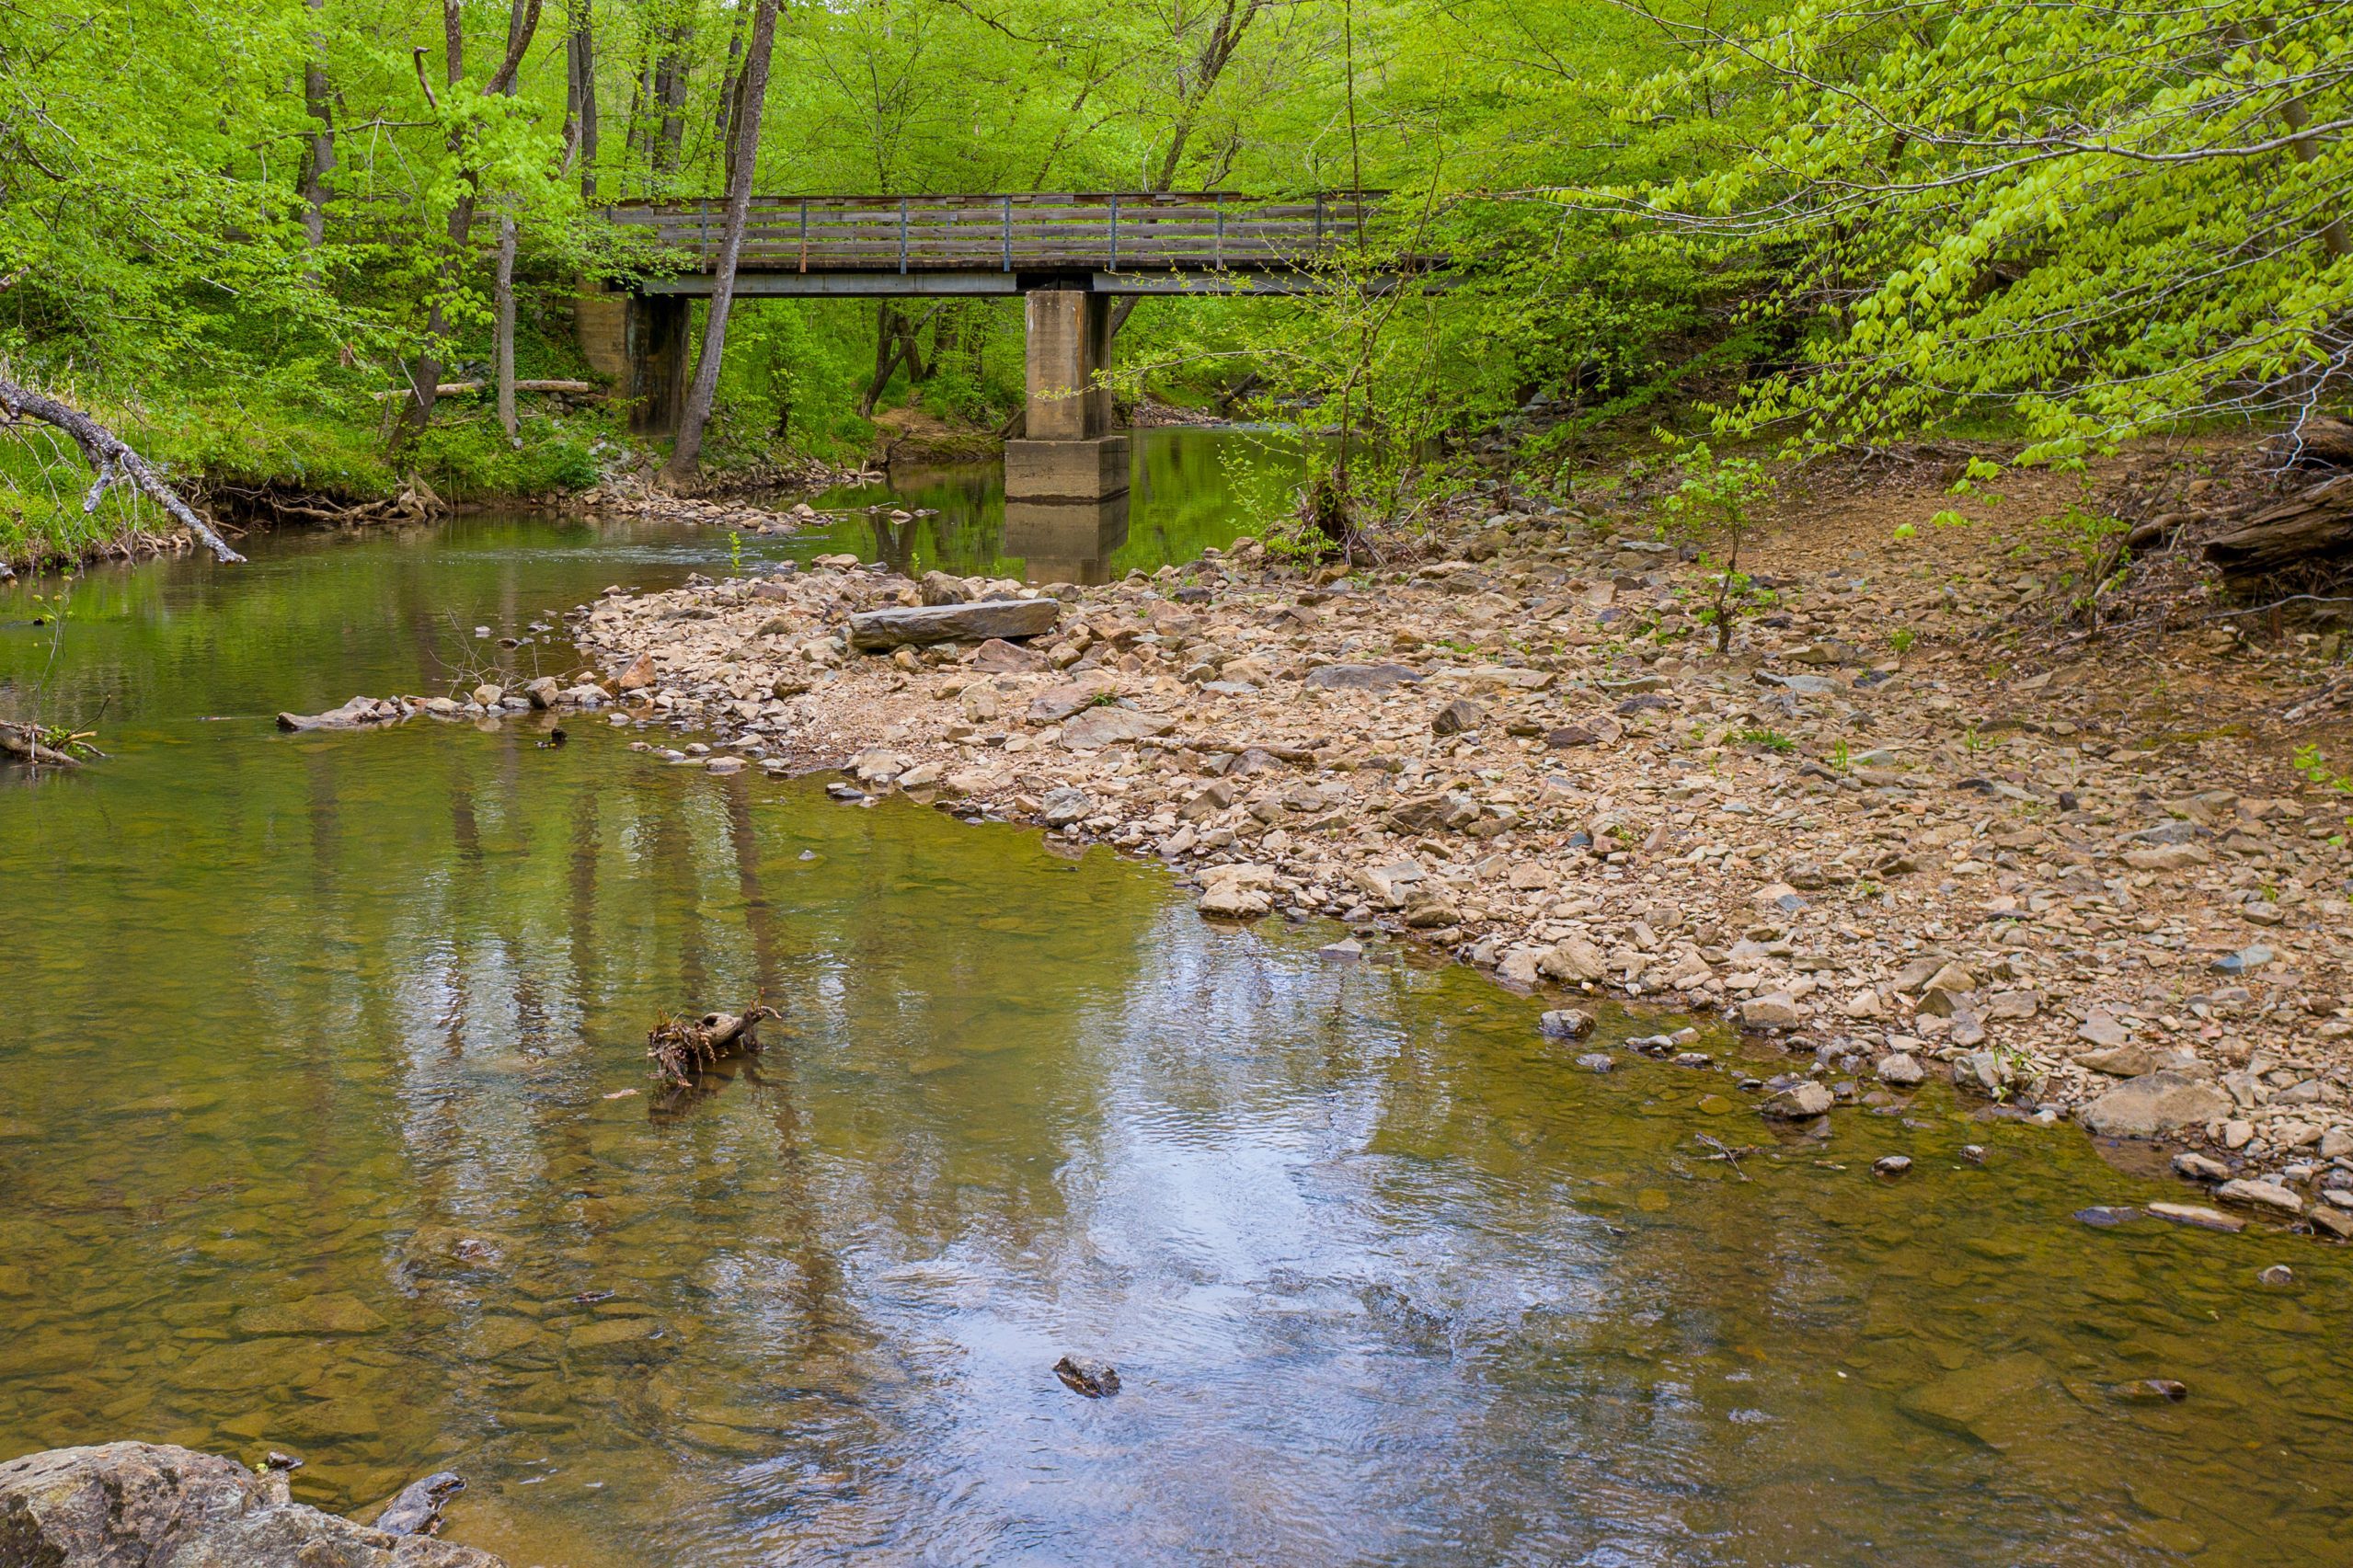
681,1050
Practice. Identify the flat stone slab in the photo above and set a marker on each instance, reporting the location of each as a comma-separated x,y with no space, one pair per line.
873,630
1362,677
1098,728
2154,1105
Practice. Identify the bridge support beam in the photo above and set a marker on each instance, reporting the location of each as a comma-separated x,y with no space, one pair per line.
640,343
1069,451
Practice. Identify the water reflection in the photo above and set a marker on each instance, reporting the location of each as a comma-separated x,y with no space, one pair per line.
1066,540
1190,489
305,1132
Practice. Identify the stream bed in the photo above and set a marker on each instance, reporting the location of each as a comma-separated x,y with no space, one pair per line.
326,1126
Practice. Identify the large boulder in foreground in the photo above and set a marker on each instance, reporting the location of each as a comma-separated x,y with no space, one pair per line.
2153,1105
153,1505
873,630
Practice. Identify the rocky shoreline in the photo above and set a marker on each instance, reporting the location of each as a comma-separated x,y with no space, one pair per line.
1849,835
113,1504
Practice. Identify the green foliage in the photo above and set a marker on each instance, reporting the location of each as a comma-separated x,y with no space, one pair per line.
1713,500
1771,740
2096,220
2317,767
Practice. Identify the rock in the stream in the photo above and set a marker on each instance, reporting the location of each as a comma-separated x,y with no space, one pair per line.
873,630
418,1508
153,1505
356,714
2154,1105
1800,1102
1566,1023
1088,1376
2260,1195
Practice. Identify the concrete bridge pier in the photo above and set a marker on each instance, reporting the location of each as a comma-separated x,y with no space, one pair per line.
640,342
1069,451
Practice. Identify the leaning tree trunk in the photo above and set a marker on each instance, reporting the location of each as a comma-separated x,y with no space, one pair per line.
114,460
745,160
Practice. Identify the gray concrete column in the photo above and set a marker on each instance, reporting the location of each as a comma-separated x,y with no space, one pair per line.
1070,338
639,344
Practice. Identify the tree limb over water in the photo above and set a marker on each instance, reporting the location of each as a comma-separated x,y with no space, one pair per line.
110,458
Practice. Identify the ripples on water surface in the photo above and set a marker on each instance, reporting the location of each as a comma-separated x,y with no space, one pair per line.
304,1141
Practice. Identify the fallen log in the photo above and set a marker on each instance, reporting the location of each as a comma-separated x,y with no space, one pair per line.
25,743
464,388
2313,528
110,458
2322,443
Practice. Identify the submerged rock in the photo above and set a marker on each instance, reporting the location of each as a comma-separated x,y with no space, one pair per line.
155,1505
1087,1375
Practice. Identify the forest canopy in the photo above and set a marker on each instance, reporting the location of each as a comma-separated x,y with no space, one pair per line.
243,229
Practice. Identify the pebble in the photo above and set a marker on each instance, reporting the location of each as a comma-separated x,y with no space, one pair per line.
1891,1165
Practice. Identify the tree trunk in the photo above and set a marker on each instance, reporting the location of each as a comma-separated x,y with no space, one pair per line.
1224,40
503,295
579,64
110,458
685,454
522,20
671,74
319,160
889,350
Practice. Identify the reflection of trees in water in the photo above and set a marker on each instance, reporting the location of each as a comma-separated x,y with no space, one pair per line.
1191,488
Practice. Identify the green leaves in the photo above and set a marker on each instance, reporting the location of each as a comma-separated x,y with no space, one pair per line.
2093,219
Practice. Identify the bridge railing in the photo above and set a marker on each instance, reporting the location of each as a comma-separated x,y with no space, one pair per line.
1189,231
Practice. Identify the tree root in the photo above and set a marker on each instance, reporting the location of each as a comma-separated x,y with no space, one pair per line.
681,1051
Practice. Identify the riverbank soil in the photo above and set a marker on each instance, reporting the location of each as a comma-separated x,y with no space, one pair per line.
1920,819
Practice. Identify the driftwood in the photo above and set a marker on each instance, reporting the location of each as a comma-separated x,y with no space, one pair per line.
24,742
113,462
681,1050
2312,529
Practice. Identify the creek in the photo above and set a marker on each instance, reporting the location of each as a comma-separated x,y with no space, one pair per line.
326,1126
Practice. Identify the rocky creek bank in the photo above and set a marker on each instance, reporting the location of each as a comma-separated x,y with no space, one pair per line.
2044,877
155,1505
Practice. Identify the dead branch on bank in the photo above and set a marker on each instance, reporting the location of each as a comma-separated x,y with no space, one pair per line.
681,1051
109,458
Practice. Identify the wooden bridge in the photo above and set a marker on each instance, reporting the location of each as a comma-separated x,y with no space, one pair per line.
1113,243
1066,254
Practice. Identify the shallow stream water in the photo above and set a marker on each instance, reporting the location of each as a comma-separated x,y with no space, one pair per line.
309,1138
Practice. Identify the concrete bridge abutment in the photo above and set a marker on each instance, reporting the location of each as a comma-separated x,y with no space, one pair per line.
640,343
1069,450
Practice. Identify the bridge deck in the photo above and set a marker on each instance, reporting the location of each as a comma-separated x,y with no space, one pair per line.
1119,242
